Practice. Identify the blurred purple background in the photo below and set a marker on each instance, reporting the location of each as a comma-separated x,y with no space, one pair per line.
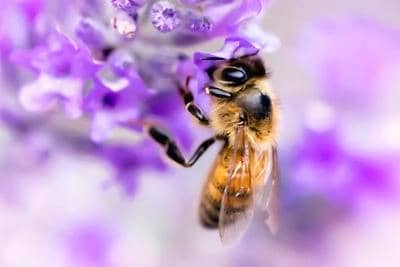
337,74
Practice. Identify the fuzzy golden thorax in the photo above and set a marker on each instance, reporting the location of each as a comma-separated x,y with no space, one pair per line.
226,114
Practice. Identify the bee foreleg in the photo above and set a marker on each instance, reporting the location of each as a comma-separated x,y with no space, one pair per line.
190,106
172,150
217,92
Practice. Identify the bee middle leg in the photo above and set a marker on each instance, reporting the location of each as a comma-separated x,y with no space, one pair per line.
172,150
190,106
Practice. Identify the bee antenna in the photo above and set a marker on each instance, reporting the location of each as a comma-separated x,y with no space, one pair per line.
213,58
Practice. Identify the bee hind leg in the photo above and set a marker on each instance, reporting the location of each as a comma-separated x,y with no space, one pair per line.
172,150
190,106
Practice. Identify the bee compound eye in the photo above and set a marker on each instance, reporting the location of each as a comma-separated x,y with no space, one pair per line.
234,75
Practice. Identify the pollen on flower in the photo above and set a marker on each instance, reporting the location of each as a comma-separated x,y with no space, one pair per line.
124,24
199,24
164,16
128,6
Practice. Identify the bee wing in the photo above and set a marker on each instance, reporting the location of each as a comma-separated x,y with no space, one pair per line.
268,187
237,206
273,199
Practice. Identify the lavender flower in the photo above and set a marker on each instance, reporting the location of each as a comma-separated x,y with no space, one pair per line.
46,91
91,33
130,161
113,82
235,15
198,24
167,111
164,16
129,6
346,174
329,183
116,68
59,57
234,47
199,19
351,59
111,108
62,68
21,15
124,24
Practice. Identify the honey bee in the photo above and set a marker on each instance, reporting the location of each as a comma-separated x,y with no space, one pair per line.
244,116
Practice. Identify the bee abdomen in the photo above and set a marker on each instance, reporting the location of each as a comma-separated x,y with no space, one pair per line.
237,200
209,211
208,220
210,208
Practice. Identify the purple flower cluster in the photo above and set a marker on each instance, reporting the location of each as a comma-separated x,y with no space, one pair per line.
111,74
90,76
328,182
188,21
329,175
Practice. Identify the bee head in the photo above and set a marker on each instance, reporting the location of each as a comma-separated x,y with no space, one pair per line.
237,81
241,95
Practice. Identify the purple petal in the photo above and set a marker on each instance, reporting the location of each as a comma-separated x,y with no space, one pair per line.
234,47
322,164
228,18
59,56
130,161
45,92
128,6
327,182
91,33
114,108
167,108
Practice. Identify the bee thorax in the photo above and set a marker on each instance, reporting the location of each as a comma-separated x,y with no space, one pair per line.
256,105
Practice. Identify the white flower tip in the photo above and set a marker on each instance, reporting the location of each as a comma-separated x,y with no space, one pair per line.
46,91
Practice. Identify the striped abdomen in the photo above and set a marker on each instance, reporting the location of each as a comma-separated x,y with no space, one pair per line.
238,198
